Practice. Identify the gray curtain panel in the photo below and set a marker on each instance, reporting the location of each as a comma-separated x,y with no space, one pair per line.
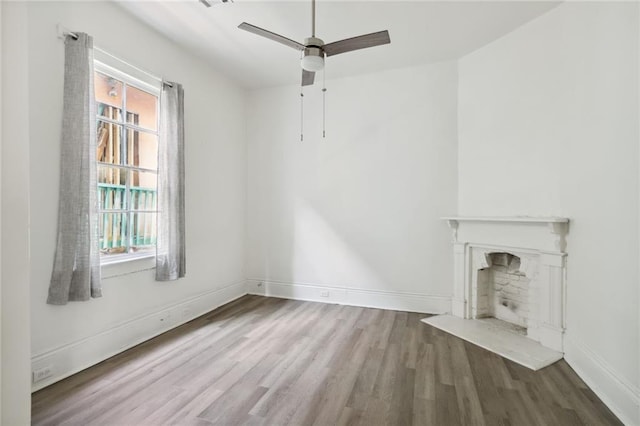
76,268
170,255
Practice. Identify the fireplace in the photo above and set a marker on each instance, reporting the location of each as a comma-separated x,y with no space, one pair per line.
509,285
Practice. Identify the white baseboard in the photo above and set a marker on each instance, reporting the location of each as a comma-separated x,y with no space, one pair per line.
397,301
617,393
74,357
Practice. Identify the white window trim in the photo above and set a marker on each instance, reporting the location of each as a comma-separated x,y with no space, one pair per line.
127,266
127,263
111,64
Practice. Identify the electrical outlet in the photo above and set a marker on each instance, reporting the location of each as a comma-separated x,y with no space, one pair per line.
164,316
259,287
324,294
42,373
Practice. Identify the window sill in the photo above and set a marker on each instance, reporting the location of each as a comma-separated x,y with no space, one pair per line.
115,266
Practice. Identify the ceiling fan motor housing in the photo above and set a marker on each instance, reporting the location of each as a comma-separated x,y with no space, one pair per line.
313,42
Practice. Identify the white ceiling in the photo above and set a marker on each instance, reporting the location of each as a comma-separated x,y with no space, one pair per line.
421,32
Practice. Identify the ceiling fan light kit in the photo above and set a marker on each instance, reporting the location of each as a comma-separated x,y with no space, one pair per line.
313,59
313,56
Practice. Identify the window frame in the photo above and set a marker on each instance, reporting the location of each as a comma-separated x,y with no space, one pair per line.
128,78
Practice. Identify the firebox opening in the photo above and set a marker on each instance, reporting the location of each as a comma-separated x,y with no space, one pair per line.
503,293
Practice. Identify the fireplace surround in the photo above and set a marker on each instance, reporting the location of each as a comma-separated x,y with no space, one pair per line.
539,245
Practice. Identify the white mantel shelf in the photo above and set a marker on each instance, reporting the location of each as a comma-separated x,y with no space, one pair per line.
558,226
522,219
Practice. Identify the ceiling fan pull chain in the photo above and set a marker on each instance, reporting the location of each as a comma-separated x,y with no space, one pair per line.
324,102
301,115
301,107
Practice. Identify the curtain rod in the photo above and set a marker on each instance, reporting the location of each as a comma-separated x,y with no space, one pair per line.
64,32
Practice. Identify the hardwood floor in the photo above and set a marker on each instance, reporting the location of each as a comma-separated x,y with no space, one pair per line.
265,361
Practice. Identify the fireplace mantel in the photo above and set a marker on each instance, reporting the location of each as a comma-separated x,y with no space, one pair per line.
511,230
525,219
540,243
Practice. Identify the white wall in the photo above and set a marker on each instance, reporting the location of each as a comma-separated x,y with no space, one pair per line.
15,371
0,213
78,334
548,125
358,211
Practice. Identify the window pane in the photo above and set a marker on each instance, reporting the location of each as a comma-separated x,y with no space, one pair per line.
143,190
143,230
143,149
111,196
108,92
109,112
111,144
127,196
142,108
113,232
143,199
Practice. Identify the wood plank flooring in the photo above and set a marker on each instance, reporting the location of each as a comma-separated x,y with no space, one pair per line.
266,361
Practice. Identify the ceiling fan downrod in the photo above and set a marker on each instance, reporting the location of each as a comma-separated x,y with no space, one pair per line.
313,18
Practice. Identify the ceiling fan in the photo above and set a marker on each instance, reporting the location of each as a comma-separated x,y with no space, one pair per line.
314,50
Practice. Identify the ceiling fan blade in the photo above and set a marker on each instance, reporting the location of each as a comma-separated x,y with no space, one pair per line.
308,77
271,36
355,43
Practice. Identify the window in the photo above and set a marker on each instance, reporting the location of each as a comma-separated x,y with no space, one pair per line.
127,155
